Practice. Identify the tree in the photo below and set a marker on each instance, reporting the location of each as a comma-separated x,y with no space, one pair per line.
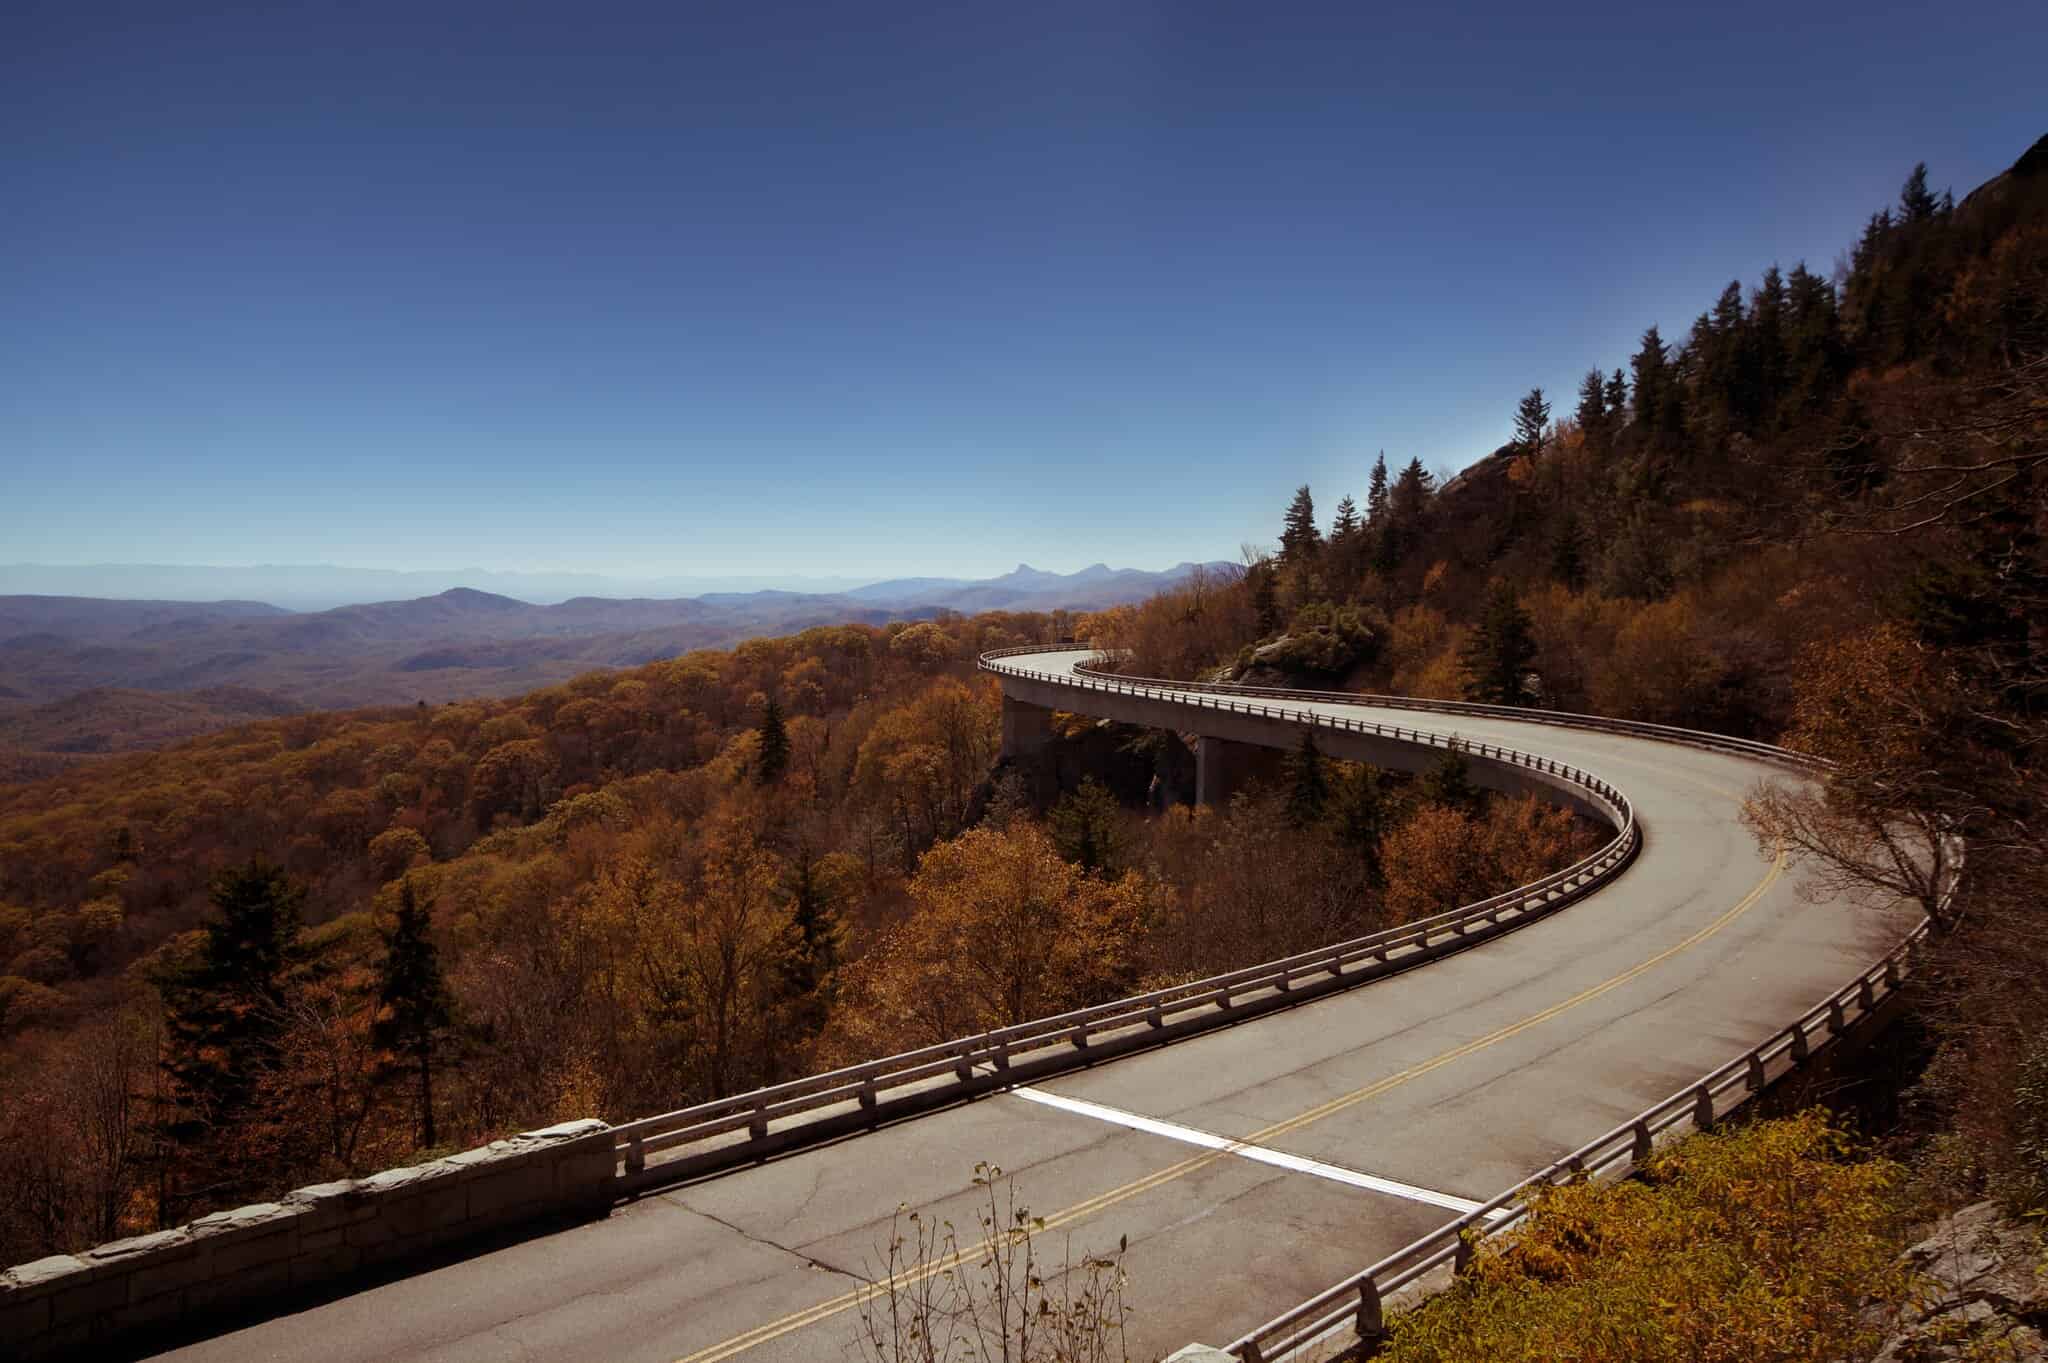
1346,523
1308,785
1568,552
1656,395
1449,783
1299,539
1887,814
1087,827
1361,810
1617,400
1265,599
772,758
1496,657
1916,204
225,1008
1592,411
1532,420
1376,493
1003,929
413,999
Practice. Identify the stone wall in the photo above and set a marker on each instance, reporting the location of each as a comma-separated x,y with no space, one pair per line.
316,1236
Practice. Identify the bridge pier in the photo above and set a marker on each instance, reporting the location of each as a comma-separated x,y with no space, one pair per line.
1027,728
1222,768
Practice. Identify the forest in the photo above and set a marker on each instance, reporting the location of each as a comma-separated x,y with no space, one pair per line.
325,943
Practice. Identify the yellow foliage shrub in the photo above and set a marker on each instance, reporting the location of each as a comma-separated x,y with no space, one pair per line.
1767,1243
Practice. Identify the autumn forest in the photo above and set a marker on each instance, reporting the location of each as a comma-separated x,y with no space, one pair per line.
321,944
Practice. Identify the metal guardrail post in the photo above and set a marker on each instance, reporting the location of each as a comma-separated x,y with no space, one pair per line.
1703,1107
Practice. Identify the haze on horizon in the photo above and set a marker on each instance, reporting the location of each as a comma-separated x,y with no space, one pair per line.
858,294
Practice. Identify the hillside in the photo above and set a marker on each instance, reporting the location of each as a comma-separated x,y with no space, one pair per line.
460,643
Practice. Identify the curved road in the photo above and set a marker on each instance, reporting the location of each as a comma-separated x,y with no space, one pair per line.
1354,1123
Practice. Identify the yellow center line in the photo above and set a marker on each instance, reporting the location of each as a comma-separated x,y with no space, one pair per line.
762,1334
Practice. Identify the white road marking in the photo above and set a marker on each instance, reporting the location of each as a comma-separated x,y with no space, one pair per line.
1279,1159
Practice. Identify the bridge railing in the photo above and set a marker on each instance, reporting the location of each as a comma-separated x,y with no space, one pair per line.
1698,738
1357,1303
777,1116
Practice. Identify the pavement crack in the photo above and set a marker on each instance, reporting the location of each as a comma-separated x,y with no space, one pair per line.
809,1261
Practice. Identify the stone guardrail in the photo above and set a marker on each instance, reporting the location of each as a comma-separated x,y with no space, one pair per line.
766,1121
71,1305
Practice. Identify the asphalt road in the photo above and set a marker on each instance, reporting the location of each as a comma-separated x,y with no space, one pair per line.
1373,1116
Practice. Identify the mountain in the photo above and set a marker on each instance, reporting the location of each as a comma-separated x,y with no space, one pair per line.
103,658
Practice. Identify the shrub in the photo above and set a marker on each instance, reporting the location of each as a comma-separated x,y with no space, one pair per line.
1766,1243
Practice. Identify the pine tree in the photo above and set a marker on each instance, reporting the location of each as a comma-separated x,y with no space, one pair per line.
225,1009
1617,401
1346,523
1532,419
1652,363
773,758
1299,538
1379,517
1592,413
1449,783
1916,204
1568,552
1376,492
1497,656
1087,827
413,999
1265,600
810,971
1308,792
1360,810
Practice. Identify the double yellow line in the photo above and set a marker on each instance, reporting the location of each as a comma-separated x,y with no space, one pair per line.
825,1310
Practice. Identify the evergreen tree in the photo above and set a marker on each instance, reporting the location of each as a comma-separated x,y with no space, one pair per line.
773,758
1497,656
1299,538
1346,523
1265,600
1449,783
1568,552
1308,789
1532,419
1638,561
413,999
1652,366
1916,204
1360,812
224,1009
1376,491
1087,827
1592,412
1617,401
1378,516
810,971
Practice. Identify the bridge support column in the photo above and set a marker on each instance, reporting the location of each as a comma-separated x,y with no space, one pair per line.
1026,728
1221,768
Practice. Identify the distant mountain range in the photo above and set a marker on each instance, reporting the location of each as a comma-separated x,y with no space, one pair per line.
77,673
318,587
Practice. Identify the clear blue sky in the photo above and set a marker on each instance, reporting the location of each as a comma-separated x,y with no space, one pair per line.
861,289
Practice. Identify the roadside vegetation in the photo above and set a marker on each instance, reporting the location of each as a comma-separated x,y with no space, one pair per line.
1773,1242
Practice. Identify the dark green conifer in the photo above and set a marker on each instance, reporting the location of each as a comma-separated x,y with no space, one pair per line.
1532,422
1299,538
413,999
773,758
1308,785
1497,656
1087,828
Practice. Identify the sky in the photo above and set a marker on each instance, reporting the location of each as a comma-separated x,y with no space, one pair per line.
865,290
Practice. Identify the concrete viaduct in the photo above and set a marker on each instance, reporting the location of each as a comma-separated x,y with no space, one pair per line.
1248,1166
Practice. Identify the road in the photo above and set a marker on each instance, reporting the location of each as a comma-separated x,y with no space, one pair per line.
1351,1124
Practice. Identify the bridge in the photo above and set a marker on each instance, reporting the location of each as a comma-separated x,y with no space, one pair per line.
1255,1140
